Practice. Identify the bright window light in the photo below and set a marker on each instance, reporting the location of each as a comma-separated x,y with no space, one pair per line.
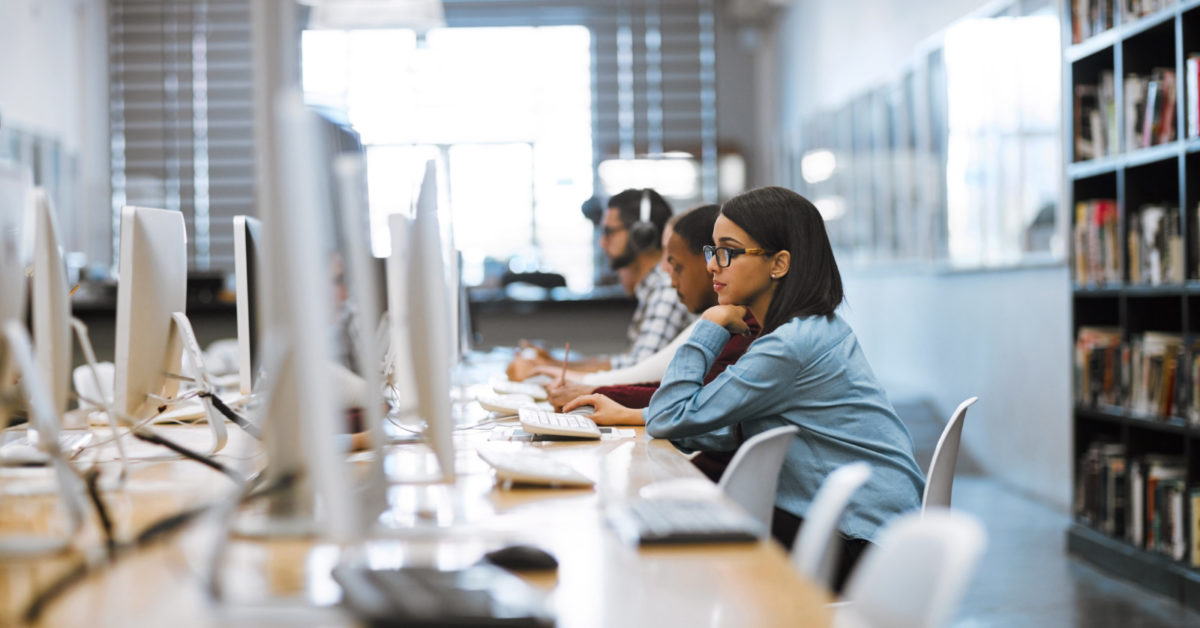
817,165
507,111
831,207
676,178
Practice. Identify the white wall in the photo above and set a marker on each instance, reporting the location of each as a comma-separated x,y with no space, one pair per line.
1001,335
54,81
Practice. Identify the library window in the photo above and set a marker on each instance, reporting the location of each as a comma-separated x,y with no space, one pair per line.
506,112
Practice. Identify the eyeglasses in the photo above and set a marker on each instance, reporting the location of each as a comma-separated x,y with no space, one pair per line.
725,254
611,231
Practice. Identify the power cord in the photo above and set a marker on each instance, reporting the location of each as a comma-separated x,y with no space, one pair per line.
151,533
238,419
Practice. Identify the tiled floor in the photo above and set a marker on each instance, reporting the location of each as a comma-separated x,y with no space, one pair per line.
1026,577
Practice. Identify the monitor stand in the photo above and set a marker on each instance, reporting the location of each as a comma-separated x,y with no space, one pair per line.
191,348
89,355
43,418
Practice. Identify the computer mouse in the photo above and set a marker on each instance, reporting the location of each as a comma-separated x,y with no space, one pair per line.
586,410
522,558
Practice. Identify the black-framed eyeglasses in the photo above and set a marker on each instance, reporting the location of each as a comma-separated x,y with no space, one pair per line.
611,231
725,254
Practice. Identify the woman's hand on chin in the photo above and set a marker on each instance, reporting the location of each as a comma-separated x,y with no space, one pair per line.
728,316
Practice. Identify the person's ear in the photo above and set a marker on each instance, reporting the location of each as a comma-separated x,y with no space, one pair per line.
781,262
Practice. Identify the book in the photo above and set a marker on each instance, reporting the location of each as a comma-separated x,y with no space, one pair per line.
1192,86
1194,517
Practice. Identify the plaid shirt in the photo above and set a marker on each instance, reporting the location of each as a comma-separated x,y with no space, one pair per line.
659,317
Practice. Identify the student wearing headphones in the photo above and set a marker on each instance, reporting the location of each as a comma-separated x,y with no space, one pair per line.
772,258
632,239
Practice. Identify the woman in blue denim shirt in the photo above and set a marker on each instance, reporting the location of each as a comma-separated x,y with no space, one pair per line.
806,368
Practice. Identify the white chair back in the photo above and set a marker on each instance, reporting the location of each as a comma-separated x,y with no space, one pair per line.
85,385
917,574
940,480
753,474
816,550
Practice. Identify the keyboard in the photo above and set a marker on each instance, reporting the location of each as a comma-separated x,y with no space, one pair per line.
479,595
530,466
666,521
544,422
24,451
506,387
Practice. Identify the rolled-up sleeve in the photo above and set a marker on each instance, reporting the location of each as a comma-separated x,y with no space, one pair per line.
692,415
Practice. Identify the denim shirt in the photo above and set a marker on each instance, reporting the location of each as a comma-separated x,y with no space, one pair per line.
809,372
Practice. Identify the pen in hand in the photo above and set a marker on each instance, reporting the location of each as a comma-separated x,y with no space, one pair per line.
562,377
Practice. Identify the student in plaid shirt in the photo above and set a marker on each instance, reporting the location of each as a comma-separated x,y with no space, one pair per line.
634,249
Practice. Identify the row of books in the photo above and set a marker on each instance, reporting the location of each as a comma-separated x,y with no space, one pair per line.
1150,108
1143,499
1096,118
1156,253
1149,111
1090,17
1096,240
1153,374
1138,8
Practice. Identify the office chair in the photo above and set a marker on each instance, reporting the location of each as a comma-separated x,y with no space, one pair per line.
815,553
916,575
753,474
940,479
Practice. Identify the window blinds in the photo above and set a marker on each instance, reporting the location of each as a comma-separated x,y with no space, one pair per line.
181,116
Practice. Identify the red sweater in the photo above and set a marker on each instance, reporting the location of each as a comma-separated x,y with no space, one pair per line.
638,395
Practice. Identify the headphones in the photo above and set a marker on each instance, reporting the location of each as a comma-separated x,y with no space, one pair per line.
643,235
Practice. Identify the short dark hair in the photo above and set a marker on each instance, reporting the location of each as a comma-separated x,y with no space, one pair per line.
782,220
696,227
629,203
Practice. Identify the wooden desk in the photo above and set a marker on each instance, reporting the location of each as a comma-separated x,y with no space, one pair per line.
600,580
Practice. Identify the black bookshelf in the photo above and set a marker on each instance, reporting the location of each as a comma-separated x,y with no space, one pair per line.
1134,170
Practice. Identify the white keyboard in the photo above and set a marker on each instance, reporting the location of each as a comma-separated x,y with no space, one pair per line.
530,466
506,404
506,387
22,450
548,423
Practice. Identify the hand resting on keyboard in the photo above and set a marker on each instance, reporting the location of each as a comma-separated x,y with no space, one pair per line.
605,411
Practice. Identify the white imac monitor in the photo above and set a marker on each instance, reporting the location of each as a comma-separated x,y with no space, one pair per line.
430,322
247,247
13,259
301,418
51,305
14,212
152,287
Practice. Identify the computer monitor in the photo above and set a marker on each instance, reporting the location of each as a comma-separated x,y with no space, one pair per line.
153,331
14,252
247,251
301,419
13,259
152,285
430,328
51,305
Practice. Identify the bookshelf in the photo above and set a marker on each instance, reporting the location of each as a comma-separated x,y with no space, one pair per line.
1131,77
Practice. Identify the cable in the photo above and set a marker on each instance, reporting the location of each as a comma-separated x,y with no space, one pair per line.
240,420
151,437
155,531
92,477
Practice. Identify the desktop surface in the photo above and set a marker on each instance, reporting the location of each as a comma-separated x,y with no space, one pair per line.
600,581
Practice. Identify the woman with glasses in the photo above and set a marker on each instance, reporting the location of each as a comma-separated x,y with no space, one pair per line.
772,258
